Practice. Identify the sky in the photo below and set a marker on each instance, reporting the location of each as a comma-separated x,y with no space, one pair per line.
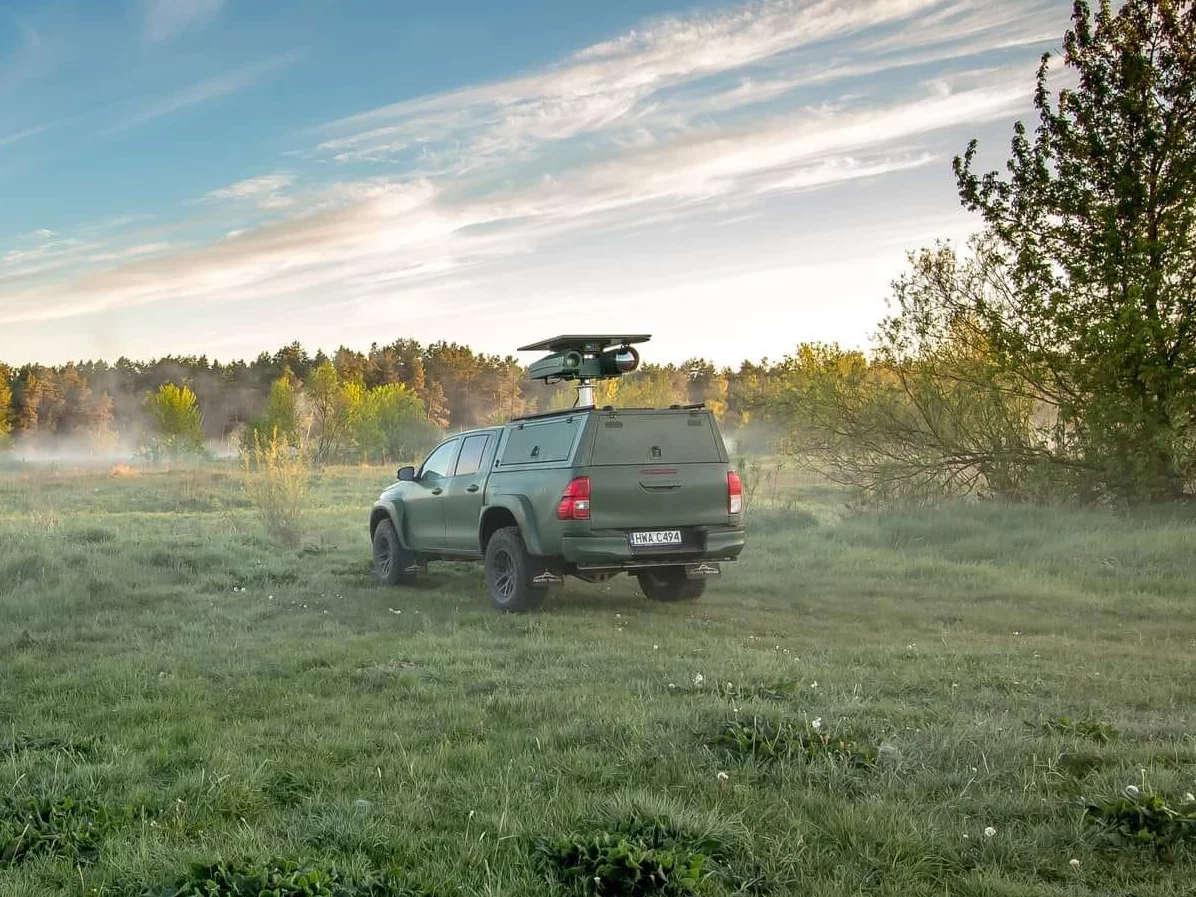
223,177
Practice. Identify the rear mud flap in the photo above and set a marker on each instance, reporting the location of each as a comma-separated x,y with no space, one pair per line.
702,571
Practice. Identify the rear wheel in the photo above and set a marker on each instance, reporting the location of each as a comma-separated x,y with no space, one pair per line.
509,573
670,584
392,562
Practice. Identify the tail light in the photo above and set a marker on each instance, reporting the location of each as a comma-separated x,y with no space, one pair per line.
734,493
575,503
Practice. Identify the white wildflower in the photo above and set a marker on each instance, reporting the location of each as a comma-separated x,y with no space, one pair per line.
723,778
989,832
1131,790
814,684
816,723
1190,798
699,678
1074,863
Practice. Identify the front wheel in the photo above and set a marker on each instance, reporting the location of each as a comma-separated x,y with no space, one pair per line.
509,573
670,584
392,562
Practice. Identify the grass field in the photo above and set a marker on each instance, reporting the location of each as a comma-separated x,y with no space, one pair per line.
199,693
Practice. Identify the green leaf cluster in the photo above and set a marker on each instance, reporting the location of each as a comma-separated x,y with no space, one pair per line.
62,828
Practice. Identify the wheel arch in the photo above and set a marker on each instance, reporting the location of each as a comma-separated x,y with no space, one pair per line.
494,519
383,511
509,510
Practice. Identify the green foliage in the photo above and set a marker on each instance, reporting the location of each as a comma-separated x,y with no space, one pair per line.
277,481
280,418
629,865
1145,819
175,424
278,878
652,386
1081,728
63,828
5,408
388,423
330,409
780,739
1095,235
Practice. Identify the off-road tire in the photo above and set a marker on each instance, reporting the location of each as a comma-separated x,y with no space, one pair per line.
509,572
391,559
670,584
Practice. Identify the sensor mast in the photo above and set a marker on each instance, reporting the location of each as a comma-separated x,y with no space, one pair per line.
585,358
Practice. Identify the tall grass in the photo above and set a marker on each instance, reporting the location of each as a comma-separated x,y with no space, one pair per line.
278,482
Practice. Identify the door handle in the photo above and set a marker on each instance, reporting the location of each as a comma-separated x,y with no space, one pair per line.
437,491
473,488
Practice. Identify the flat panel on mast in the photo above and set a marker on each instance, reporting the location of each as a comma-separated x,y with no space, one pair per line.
588,343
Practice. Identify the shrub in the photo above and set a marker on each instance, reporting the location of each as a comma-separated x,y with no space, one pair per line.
63,828
278,878
176,425
277,481
620,864
1146,819
771,739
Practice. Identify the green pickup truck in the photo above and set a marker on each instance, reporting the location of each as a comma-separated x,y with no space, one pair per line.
590,493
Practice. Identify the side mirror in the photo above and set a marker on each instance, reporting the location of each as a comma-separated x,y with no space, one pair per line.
406,474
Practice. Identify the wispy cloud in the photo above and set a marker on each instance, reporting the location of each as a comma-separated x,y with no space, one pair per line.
605,84
24,134
203,92
166,18
267,191
701,119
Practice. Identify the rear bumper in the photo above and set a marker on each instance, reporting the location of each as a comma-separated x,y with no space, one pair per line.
611,550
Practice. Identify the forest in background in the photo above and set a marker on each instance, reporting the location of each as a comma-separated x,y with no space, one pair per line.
99,408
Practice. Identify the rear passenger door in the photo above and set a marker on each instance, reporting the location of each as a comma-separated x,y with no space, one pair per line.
465,490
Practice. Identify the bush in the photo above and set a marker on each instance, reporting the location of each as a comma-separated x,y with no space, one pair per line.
277,878
771,739
176,425
1146,819
33,827
615,863
277,481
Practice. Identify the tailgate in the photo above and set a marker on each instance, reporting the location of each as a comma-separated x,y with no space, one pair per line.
627,497
657,469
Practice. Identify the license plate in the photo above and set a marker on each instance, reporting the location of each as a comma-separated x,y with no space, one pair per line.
659,537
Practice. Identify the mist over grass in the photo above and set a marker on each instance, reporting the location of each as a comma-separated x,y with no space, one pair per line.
211,695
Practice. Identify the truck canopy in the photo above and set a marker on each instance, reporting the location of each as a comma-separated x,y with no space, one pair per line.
665,468
673,436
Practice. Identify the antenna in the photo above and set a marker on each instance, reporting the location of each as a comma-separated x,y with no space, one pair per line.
585,358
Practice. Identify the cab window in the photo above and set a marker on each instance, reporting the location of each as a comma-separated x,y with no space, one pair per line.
472,451
439,462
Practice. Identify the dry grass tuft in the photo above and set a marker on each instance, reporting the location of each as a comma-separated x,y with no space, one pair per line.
277,481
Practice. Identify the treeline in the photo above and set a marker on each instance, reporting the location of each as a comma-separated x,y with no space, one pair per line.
378,405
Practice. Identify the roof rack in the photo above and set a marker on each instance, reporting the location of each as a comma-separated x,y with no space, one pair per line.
561,413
